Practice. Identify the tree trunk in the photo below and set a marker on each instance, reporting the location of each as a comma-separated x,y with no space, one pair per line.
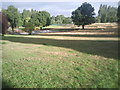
83,26
12,29
29,33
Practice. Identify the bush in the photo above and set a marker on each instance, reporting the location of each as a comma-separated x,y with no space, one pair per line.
29,27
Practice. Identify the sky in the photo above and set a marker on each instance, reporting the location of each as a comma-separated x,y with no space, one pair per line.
56,8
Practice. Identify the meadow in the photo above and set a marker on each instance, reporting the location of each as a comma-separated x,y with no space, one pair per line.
76,59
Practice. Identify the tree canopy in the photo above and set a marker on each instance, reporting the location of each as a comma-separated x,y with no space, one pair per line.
13,16
83,15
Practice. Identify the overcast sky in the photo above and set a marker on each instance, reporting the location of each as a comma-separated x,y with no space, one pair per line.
55,8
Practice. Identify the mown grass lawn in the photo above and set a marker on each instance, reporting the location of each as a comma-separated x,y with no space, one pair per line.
57,62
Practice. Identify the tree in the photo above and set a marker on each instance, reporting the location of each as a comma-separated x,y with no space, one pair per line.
26,14
52,20
13,16
44,18
34,19
46,15
118,13
59,19
20,20
29,27
83,15
67,20
102,13
3,24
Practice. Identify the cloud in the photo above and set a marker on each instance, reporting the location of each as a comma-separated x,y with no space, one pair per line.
54,8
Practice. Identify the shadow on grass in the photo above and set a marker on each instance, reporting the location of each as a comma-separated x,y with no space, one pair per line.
77,35
6,85
108,49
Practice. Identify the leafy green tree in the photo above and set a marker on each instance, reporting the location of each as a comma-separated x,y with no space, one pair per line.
44,18
52,20
67,20
83,15
34,19
29,27
59,19
26,14
13,16
40,18
20,20
46,15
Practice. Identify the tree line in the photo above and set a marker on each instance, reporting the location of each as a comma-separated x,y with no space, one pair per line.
38,18
61,19
107,14
83,15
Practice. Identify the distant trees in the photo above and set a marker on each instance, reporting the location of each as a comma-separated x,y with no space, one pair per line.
107,14
67,20
83,15
60,19
16,19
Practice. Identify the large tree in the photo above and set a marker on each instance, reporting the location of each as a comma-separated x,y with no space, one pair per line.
83,15
13,16
44,18
40,18
35,19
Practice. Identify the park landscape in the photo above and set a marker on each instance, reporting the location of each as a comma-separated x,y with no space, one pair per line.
76,56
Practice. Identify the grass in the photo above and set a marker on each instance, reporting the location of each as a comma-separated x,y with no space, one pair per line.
43,61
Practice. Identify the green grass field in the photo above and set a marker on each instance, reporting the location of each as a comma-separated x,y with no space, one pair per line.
58,61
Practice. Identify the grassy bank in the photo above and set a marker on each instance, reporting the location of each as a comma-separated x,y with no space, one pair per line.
53,61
